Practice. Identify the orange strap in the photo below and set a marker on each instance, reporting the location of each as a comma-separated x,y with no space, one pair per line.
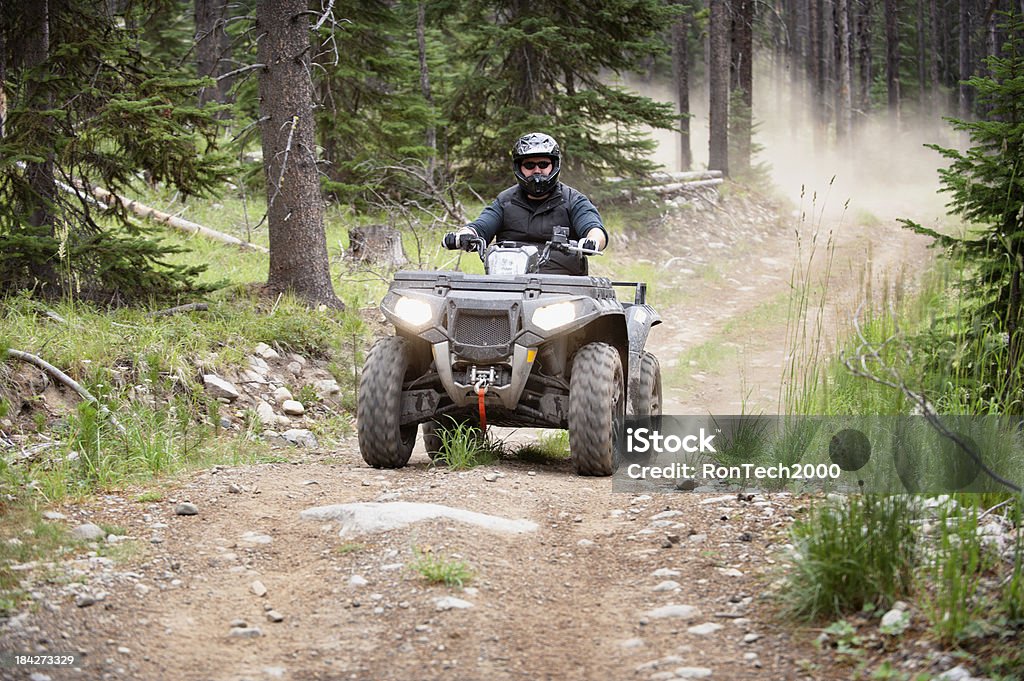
480,392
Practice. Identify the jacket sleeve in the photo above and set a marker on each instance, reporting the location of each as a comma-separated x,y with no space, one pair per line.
584,217
489,222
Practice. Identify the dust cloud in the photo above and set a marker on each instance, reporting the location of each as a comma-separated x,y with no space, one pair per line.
887,173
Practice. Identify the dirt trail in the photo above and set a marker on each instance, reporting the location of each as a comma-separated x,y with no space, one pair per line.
578,598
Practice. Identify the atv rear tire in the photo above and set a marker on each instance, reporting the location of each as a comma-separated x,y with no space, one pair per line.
597,408
383,441
646,400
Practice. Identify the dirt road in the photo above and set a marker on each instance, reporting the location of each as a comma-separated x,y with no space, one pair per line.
604,586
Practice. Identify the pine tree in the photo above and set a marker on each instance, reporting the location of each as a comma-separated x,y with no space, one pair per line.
987,187
543,66
372,109
85,108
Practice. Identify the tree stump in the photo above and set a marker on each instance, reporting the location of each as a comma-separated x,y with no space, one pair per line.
376,245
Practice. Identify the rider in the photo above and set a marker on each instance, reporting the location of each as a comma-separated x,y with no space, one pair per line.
529,211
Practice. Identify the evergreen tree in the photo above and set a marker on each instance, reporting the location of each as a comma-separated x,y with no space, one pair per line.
372,111
987,187
85,108
544,66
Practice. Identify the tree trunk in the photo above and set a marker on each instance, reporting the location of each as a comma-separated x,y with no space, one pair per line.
718,85
212,46
742,81
295,208
376,245
829,56
935,102
892,58
964,95
796,29
865,75
844,113
421,44
814,72
3,81
681,71
40,173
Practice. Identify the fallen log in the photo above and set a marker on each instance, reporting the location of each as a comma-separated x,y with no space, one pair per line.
679,187
187,226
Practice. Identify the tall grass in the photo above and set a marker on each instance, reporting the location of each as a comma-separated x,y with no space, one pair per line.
859,551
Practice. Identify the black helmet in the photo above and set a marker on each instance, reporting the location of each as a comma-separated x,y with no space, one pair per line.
536,144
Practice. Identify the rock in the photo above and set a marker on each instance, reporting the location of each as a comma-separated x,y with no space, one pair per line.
282,395
256,538
683,612
88,532
895,621
327,387
54,515
491,477
245,632
357,580
258,588
692,672
451,603
632,643
186,508
373,517
300,437
666,572
266,352
266,414
259,365
667,585
293,408
705,629
275,616
730,572
957,673
85,600
218,387
294,368
750,638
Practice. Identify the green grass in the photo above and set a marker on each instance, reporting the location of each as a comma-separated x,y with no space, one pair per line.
439,569
463,447
550,447
859,551
25,537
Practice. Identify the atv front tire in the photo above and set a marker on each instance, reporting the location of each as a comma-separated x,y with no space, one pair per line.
383,441
597,408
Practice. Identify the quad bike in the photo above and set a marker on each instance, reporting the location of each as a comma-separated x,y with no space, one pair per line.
511,347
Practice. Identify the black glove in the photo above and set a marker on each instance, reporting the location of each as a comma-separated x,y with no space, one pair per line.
456,240
589,245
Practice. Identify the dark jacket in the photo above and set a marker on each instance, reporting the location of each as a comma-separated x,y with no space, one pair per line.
514,217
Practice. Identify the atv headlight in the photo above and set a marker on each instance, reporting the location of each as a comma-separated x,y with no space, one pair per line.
554,315
414,311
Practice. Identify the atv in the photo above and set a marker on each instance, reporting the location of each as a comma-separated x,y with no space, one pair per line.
510,347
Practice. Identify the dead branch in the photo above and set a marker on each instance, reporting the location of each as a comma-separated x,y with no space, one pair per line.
188,307
866,353
66,380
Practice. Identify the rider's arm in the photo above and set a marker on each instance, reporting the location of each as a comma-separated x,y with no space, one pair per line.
489,222
586,221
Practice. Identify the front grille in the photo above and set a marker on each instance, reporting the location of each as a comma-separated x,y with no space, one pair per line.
486,330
